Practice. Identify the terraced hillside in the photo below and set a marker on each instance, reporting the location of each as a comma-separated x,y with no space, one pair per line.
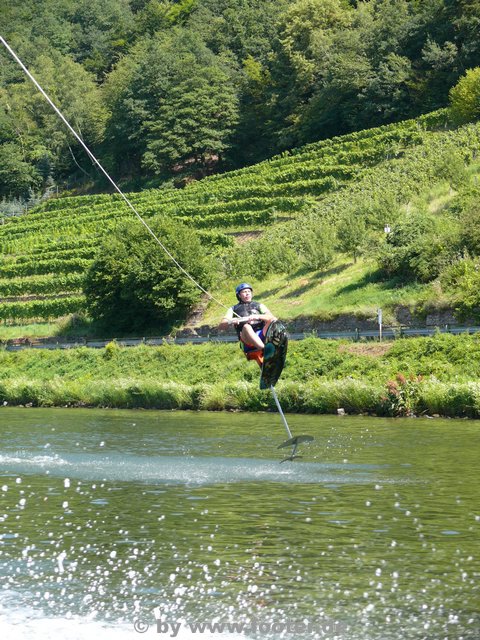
45,253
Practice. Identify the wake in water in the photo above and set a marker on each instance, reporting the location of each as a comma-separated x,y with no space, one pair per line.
19,623
183,469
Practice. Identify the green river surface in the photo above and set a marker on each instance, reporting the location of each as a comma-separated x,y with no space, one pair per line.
127,524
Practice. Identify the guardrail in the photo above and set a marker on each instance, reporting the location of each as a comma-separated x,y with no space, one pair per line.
388,333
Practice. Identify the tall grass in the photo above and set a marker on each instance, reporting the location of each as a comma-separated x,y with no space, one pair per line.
435,375
453,400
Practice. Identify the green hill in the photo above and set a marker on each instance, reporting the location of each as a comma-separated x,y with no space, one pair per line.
377,176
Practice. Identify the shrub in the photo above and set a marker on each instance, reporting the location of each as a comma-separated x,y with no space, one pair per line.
133,283
418,247
462,279
401,395
465,97
352,234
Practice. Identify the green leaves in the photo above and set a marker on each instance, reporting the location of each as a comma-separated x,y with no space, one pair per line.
175,102
36,146
17,176
192,122
354,184
465,97
462,280
352,234
419,247
41,309
133,284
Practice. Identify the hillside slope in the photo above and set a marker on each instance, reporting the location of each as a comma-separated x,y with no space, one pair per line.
376,173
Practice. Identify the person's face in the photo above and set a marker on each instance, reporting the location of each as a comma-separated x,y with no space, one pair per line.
245,295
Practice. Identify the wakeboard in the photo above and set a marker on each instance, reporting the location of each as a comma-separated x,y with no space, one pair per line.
272,367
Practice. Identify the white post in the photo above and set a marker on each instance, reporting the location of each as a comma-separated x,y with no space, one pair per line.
379,316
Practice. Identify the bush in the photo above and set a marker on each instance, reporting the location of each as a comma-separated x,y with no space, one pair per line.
401,395
133,284
465,97
314,240
261,256
452,167
462,279
470,225
352,234
306,241
419,247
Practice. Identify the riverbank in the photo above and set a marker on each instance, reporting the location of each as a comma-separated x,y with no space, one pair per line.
417,376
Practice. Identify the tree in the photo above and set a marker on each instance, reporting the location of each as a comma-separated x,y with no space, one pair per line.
470,228
132,284
158,15
28,121
192,123
317,245
241,27
303,53
462,280
351,234
386,96
451,165
93,32
313,240
17,177
101,32
253,139
465,19
335,104
245,31
465,97
439,71
173,102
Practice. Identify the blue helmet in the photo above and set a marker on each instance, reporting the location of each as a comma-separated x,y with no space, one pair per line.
241,287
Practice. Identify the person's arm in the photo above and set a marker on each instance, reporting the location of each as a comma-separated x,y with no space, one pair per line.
227,320
265,314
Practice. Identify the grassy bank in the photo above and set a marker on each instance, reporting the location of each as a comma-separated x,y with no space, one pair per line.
421,376
345,288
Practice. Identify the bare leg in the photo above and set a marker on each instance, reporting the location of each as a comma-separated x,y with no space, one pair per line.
249,336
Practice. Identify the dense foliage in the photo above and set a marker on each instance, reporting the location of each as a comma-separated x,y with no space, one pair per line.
436,375
131,284
170,89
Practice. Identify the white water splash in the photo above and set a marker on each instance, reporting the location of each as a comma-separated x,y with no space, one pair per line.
19,623
185,469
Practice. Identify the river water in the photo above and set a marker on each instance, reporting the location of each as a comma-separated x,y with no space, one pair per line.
120,524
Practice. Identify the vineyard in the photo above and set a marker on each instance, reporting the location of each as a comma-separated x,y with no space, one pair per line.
45,253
